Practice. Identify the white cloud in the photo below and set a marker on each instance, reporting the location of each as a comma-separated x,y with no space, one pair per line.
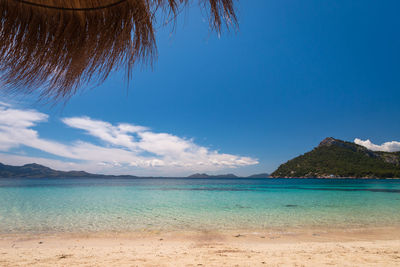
4,104
126,148
392,146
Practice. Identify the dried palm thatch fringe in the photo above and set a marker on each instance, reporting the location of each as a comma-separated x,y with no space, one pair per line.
57,46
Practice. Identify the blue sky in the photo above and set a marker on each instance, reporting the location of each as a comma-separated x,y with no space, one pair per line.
244,102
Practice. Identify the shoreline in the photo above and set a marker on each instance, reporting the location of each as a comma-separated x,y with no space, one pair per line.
309,233
243,247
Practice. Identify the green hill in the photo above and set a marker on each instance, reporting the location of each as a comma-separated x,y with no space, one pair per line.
337,158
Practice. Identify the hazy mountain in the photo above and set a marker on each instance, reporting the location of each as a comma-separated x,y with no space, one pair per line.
260,175
204,175
39,171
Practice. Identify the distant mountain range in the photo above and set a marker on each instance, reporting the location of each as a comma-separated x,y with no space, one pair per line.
204,175
39,171
335,158
229,175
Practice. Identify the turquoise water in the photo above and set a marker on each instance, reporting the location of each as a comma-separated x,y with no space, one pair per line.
76,205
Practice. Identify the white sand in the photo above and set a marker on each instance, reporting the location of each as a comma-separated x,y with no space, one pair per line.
363,247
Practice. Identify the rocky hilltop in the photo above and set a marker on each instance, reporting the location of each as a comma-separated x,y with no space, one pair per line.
334,158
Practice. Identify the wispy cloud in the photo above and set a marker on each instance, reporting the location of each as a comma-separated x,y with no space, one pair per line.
127,148
392,146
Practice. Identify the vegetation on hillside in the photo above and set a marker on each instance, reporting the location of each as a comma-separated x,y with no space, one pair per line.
336,158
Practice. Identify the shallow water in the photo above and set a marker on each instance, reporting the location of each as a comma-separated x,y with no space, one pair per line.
76,205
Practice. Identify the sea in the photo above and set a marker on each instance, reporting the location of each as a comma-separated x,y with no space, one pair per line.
57,205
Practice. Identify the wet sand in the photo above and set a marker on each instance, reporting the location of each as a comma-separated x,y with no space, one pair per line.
275,247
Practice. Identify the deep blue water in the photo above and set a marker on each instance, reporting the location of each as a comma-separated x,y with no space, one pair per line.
80,204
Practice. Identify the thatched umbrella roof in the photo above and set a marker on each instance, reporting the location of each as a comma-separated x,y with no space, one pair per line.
61,45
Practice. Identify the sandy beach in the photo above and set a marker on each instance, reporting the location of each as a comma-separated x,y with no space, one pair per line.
313,247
